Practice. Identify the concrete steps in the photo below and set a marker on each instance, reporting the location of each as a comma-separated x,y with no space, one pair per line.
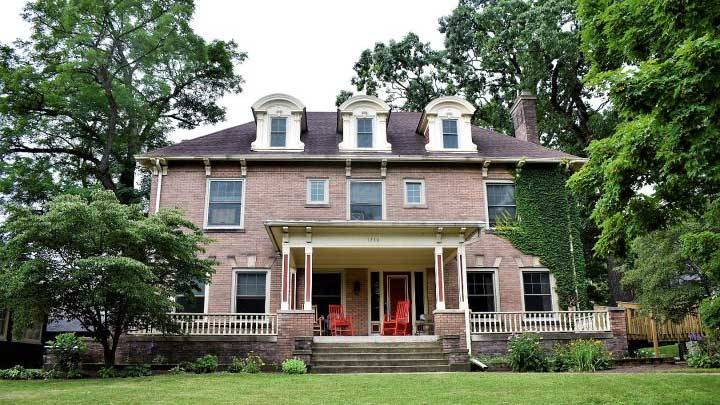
378,357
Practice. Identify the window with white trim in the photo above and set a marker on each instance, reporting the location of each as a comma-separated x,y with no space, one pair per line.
364,133
195,303
278,132
366,200
225,203
414,192
537,293
317,191
500,202
481,291
450,134
250,291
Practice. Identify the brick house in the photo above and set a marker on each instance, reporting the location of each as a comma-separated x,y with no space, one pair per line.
362,207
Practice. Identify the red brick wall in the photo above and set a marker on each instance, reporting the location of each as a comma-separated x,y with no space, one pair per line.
292,324
278,191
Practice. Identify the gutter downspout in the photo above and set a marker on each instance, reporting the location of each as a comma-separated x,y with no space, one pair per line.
158,167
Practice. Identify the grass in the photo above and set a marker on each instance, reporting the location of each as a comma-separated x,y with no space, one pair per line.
486,388
665,351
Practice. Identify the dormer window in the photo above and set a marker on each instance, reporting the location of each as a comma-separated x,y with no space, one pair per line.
450,134
445,124
362,121
279,121
364,133
278,129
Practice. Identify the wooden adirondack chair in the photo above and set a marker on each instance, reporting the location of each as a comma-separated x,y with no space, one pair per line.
398,324
340,324
318,322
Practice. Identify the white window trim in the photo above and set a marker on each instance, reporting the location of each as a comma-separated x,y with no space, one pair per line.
233,292
495,281
349,192
308,198
206,291
553,289
207,204
487,199
422,192
269,132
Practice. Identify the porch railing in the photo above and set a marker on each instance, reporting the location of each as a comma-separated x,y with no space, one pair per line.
557,321
220,324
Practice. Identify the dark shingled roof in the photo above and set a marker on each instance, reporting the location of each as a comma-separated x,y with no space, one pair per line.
322,138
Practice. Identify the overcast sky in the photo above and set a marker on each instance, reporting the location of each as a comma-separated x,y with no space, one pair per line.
304,48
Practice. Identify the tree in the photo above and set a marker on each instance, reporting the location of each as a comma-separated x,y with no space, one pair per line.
100,81
98,261
660,63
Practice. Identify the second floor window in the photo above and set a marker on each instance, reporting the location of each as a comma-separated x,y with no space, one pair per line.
195,303
414,193
250,292
278,131
501,202
225,206
366,202
317,191
450,134
364,133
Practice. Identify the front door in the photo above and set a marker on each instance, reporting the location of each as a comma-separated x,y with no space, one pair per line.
396,289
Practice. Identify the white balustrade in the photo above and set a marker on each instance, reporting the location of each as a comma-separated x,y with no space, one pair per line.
540,322
220,324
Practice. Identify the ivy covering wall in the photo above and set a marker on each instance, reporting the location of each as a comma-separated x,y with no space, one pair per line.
548,226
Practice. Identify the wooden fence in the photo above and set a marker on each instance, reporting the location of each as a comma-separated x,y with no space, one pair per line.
644,327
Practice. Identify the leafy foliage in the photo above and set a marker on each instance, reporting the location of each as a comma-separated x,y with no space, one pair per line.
98,82
137,370
67,349
103,263
107,372
581,355
205,364
294,366
22,373
526,354
548,226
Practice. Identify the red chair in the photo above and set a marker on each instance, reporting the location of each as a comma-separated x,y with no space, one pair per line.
398,324
339,324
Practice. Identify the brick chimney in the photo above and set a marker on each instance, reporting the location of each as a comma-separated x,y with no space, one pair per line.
524,117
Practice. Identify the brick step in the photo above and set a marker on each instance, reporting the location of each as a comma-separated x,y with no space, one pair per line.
379,369
377,355
380,362
376,349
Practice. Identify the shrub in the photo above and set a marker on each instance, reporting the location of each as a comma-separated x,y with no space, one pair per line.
236,365
252,364
159,359
177,370
205,364
526,354
137,370
581,355
294,366
67,349
22,373
703,359
107,372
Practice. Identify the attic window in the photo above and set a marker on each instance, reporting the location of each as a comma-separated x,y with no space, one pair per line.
278,132
450,134
364,133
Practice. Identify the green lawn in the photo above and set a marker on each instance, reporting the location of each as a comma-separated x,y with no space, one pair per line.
665,351
448,388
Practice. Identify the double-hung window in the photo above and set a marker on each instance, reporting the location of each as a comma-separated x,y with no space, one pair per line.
250,291
194,303
501,202
481,291
225,204
278,132
414,192
536,291
364,133
366,200
317,191
450,134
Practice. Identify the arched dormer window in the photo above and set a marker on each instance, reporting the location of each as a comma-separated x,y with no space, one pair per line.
446,125
279,119
363,120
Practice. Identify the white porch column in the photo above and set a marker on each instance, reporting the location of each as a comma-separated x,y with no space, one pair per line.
439,279
308,278
285,292
462,277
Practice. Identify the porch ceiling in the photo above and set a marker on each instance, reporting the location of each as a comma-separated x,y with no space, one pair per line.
370,234
368,257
